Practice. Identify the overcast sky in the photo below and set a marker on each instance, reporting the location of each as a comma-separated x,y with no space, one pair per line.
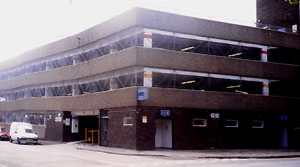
26,24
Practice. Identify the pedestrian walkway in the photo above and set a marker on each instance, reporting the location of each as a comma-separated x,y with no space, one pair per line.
196,154
49,142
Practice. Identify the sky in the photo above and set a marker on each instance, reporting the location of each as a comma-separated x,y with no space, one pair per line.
28,24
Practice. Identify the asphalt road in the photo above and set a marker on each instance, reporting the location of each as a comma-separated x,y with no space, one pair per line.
65,155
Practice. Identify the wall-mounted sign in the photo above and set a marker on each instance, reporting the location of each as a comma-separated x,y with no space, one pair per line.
67,121
284,118
144,119
142,94
74,128
165,113
215,115
58,119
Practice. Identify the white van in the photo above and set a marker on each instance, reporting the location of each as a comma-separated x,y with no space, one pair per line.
22,133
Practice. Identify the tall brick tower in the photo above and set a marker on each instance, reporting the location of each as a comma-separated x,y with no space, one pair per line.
276,14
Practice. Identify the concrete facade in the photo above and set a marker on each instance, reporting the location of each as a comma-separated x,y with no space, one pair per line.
143,81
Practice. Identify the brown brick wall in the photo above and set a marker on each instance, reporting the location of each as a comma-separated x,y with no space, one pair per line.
119,135
58,131
215,135
54,130
145,131
187,137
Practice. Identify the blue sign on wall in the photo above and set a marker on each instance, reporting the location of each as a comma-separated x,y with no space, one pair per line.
142,94
165,113
284,118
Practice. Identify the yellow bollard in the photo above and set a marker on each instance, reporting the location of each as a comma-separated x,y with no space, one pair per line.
85,135
92,137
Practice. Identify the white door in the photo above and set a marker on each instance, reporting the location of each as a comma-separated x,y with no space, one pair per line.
75,128
163,135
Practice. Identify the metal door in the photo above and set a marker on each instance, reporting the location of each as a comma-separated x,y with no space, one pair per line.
103,128
163,135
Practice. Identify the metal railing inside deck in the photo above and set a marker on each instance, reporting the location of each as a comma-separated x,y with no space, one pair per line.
77,87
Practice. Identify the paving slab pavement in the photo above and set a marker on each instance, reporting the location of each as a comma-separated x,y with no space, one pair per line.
196,154
66,154
48,142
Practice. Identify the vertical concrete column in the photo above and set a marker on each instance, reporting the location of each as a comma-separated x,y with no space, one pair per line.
75,90
112,49
79,49
147,78
27,93
47,65
74,60
14,97
264,54
147,40
47,92
264,58
9,97
265,90
113,84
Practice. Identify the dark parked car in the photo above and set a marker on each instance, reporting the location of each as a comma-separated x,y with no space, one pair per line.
4,135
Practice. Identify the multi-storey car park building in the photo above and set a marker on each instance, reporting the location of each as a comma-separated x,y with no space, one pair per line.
148,79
